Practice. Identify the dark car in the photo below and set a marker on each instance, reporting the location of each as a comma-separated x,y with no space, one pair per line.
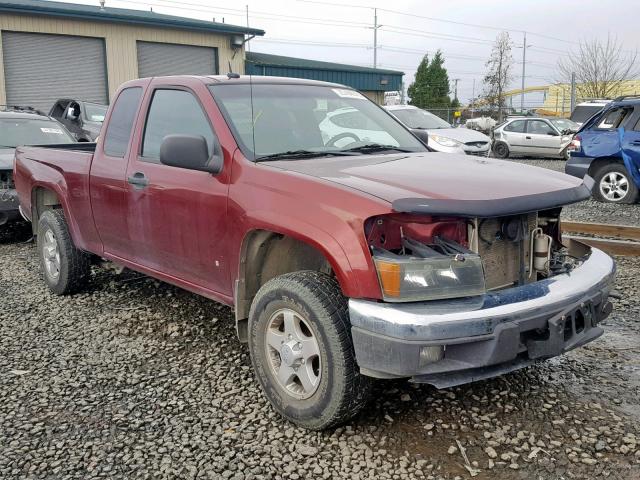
22,126
607,148
82,119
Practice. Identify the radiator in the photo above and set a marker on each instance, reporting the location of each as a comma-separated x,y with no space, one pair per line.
506,262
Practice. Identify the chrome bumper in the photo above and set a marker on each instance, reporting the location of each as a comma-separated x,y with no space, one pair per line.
482,331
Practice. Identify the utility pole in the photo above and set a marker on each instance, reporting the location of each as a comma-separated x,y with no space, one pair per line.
455,88
573,91
473,97
248,43
375,37
524,70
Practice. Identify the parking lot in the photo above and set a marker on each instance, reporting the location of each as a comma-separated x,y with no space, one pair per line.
138,379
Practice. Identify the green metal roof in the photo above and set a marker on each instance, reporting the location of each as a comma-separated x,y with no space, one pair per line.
360,78
280,61
118,15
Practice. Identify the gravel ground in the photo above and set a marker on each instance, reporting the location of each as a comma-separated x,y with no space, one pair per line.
137,379
590,211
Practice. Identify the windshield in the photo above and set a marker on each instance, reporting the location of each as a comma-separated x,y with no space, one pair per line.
95,112
564,124
30,131
582,113
305,118
417,118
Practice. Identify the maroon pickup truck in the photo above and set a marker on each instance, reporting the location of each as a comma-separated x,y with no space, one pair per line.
347,248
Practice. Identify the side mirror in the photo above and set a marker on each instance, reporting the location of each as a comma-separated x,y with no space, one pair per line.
190,152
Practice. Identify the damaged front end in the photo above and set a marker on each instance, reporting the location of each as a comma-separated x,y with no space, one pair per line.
470,297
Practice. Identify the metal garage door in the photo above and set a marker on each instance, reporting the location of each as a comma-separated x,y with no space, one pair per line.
157,59
41,68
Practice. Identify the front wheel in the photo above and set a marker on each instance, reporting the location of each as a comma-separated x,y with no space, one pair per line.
501,150
302,352
614,184
65,268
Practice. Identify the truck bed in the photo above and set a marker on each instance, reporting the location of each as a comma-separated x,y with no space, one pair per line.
64,170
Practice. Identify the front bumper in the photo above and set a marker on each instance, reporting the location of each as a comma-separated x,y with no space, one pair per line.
487,335
8,205
479,151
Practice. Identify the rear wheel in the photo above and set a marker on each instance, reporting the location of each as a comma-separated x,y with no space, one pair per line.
614,184
501,150
302,352
64,267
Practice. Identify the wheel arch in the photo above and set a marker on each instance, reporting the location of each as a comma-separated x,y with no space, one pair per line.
266,254
598,163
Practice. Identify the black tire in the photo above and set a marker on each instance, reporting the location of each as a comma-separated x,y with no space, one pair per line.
342,391
601,176
501,150
74,264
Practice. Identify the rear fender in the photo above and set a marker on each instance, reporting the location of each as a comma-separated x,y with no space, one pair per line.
59,188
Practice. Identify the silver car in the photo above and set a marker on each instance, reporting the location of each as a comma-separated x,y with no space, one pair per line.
533,136
440,135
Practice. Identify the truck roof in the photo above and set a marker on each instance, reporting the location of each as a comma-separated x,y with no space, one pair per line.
262,79
255,79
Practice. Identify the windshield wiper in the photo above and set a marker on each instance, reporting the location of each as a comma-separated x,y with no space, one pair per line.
375,147
294,154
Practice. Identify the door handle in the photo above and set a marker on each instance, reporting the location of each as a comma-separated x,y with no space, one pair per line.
635,142
528,138
138,180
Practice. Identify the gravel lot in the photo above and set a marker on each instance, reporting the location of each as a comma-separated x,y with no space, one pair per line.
590,211
137,379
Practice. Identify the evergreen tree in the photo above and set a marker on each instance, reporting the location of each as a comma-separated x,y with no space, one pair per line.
430,90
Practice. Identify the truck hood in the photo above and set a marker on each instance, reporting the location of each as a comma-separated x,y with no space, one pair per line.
444,183
6,158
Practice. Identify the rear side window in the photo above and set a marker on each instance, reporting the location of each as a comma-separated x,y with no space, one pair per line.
614,118
173,112
516,126
118,133
539,127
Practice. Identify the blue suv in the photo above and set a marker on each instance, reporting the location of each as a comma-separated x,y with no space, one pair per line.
607,148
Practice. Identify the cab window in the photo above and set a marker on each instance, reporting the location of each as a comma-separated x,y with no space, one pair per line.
539,127
516,126
116,139
173,112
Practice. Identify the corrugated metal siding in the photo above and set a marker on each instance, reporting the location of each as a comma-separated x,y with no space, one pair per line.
120,42
31,60
158,59
357,80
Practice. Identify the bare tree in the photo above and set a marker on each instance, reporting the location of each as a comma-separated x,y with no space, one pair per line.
498,76
600,67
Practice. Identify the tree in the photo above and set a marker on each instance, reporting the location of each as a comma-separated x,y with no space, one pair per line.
430,89
600,67
498,76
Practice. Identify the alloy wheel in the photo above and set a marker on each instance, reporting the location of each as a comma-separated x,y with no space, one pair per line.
614,186
51,255
293,353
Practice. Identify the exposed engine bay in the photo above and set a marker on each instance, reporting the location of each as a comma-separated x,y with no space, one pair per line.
420,257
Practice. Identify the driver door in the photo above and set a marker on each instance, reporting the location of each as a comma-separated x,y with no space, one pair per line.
177,217
542,139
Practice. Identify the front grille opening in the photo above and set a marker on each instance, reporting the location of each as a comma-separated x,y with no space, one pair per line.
568,329
6,180
579,321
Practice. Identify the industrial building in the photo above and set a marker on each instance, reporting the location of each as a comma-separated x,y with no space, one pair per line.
51,50
54,50
372,82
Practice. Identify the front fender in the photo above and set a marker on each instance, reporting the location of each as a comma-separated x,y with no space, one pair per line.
321,240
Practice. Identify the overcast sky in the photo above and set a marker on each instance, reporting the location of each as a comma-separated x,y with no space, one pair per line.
333,31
